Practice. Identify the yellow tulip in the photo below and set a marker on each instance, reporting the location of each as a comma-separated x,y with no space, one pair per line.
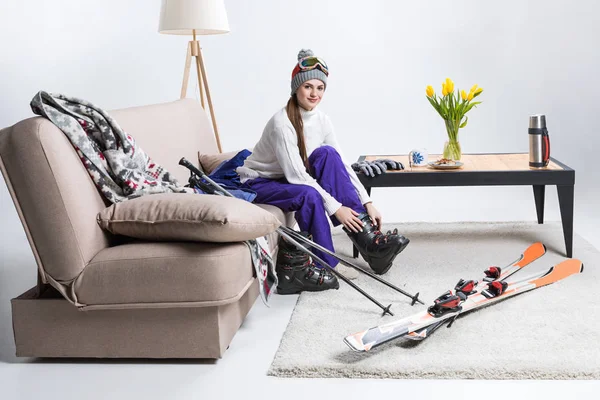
463,94
444,89
430,92
474,88
478,90
470,96
449,85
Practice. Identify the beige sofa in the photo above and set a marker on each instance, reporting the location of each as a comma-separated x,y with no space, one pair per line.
99,295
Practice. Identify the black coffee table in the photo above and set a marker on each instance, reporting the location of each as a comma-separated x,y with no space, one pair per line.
488,170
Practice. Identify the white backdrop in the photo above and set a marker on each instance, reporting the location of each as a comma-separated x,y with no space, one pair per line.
530,57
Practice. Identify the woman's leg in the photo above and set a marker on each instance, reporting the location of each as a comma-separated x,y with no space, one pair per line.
327,167
329,170
307,204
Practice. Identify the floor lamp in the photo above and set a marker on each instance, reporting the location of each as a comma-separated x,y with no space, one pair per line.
195,17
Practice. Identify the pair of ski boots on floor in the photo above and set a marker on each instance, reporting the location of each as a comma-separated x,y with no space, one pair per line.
296,272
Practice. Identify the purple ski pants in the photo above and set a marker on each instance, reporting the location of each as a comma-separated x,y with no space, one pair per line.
327,168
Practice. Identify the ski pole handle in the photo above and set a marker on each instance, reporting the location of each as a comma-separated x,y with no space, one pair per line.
191,167
203,175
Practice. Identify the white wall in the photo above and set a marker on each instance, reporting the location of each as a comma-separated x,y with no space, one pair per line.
530,57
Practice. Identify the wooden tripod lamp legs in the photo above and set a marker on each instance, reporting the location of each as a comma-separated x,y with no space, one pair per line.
194,50
186,72
200,63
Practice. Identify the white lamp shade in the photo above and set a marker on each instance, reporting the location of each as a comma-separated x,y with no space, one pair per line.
180,17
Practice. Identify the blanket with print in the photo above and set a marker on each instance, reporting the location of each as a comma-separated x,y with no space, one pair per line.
118,166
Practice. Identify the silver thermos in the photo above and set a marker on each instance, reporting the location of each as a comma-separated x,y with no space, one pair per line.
539,142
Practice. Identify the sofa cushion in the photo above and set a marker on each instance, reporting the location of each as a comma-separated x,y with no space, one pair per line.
188,217
165,272
209,162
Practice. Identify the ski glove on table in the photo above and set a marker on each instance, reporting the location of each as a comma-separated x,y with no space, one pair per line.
376,167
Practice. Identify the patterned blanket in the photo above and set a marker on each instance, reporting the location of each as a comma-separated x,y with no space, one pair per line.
119,168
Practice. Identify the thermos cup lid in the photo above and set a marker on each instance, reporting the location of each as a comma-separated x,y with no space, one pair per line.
537,121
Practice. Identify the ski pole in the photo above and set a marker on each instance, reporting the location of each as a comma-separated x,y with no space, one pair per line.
222,191
315,245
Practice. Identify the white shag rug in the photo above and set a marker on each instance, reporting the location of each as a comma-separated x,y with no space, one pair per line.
549,333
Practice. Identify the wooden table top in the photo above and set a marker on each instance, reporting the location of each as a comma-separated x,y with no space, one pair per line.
474,163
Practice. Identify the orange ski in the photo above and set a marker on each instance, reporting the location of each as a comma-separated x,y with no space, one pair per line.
365,340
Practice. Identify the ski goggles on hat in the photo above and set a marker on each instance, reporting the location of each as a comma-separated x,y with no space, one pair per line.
312,62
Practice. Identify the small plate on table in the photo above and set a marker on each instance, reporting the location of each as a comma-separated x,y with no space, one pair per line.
445,164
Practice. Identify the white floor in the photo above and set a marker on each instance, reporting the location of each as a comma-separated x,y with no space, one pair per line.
240,374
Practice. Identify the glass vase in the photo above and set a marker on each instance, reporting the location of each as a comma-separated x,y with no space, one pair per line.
452,150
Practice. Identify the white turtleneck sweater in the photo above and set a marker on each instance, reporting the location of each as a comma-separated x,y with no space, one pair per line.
276,154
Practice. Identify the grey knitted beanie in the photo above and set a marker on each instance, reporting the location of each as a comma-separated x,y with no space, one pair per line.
299,77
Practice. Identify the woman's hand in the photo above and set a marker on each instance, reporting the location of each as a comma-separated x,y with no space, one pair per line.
349,218
374,214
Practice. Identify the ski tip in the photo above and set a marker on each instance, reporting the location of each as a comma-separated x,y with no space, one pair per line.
560,271
532,253
351,344
355,342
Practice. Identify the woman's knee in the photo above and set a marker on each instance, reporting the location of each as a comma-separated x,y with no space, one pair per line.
323,151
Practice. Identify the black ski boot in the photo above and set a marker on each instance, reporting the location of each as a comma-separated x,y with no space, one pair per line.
377,249
296,272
